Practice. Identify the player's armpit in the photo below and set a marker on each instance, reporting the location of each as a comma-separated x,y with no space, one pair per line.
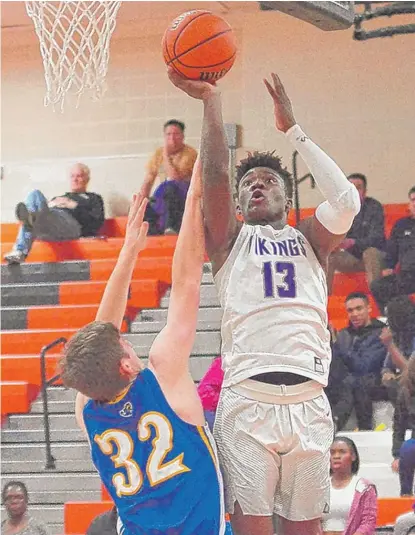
320,238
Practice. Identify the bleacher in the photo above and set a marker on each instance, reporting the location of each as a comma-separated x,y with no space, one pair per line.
57,291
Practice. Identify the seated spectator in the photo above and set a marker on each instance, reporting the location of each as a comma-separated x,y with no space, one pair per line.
361,250
358,358
398,339
405,524
67,217
353,500
400,251
172,164
15,499
104,524
403,450
209,390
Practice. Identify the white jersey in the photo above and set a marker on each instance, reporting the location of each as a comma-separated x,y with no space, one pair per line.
273,292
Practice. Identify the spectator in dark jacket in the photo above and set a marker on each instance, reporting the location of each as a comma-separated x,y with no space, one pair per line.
68,217
398,339
400,252
104,524
361,250
358,357
403,450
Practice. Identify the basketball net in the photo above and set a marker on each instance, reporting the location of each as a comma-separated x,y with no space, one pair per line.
74,43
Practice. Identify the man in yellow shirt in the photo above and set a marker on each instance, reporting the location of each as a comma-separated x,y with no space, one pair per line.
172,164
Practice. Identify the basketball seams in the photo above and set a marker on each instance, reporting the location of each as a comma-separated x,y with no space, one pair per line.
185,26
200,44
206,66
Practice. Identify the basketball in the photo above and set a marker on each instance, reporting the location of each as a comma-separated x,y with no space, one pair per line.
200,46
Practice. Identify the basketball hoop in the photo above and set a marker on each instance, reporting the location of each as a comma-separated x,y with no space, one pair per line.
74,42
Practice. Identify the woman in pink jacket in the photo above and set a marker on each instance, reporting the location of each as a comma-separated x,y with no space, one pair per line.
209,389
353,500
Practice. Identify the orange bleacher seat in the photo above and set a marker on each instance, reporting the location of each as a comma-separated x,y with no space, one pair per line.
60,317
79,515
390,508
345,283
16,396
92,248
105,495
146,268
114,228
27,368
143,294
30,342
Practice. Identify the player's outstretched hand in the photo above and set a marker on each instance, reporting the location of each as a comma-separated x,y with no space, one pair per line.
283,111
136,231
194,88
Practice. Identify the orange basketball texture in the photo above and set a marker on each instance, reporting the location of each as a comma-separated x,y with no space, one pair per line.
199,45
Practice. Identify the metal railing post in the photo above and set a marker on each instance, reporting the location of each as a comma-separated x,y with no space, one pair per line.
50,460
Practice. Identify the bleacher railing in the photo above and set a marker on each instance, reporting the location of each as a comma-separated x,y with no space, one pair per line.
50,460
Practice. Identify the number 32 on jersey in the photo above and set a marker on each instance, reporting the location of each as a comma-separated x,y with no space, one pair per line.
157,470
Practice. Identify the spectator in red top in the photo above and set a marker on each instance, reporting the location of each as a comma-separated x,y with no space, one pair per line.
209,389
400,251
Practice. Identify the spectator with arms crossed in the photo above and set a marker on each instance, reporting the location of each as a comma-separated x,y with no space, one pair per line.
400,252
172,164
149,440
68,217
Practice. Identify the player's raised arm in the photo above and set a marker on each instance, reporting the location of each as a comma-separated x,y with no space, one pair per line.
114,300
334,217
219,210
171,348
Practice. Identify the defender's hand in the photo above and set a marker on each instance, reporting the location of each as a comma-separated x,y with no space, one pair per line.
194,88
283,112
136,231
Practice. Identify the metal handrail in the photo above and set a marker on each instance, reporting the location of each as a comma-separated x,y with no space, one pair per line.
50,460
296,182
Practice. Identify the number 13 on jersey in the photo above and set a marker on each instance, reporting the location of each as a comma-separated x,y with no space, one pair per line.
285,289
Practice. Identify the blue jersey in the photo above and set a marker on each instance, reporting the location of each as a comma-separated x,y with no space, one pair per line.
161,472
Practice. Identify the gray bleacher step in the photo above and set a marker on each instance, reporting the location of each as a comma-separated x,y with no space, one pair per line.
152,320
14,436
35,467
13,318
36,453
57,481
56,529
59,497
28,422
53,406
387,482
206,343
14,295
208,297
60,393
76,270
207,278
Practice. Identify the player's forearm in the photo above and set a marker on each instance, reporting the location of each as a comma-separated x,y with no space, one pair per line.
114,300
214,148
343,202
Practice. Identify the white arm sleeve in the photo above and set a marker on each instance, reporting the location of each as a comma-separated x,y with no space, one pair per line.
342,198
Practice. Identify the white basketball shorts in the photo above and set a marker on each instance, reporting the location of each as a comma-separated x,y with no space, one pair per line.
274,449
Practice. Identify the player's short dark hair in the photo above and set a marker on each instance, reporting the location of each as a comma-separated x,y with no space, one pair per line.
357,295
411,191
175,122
91,362
18,484
359,176
265,159
353,448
